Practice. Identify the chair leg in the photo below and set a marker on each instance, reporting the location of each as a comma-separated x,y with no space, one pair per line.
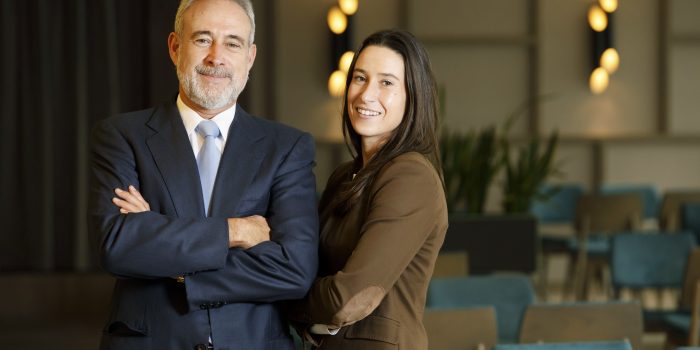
581,261
695,317
607,282
580,277
543,278
594,279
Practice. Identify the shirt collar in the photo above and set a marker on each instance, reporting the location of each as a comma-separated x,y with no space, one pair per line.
191,118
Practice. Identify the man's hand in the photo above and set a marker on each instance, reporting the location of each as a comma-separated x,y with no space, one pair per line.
130,201
247,232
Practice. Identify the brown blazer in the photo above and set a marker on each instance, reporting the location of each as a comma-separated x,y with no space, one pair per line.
376,261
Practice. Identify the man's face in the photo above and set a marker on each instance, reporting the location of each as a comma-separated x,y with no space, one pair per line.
213,54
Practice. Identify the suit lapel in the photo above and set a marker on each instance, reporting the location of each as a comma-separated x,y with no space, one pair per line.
239,164
175,160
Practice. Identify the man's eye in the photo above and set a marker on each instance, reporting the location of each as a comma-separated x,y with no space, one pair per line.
233,45
202,42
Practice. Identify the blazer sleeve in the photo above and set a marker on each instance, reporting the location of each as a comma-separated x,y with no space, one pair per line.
284,267
406,206
148,244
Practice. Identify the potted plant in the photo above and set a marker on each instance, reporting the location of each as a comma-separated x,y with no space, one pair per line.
470,161
526,173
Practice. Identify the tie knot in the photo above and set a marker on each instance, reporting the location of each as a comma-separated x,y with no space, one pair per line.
208,128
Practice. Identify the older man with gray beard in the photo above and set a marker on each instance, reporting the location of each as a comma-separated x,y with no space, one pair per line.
205,214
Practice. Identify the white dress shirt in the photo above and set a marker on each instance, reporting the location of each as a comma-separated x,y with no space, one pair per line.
191,119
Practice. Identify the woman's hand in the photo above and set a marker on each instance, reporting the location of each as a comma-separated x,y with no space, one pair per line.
130,201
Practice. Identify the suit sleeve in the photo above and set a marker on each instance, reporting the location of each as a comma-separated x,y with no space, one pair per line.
284,267
405,206
148,244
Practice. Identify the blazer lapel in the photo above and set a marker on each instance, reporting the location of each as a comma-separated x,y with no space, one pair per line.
175,160
239,164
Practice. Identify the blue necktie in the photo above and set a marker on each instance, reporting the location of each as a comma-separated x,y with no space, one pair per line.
208,159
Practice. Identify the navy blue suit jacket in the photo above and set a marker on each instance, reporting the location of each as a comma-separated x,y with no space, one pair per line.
265,169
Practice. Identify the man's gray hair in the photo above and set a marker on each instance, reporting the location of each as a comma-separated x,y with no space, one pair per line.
246,5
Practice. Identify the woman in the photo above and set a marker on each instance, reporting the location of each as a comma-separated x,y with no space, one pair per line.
383,215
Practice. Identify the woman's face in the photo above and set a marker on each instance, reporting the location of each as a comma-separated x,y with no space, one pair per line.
377,95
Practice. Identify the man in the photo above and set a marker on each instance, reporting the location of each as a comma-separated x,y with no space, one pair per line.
196,265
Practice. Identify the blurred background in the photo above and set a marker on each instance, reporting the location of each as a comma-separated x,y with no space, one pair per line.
522,68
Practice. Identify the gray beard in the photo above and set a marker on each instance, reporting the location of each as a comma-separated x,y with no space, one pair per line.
209,98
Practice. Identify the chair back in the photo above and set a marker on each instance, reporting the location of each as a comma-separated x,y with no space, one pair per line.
647,193
559,203
690,296
608,214
583,322
692,275
606,345
691,217
650,260
508,294
670,213
461,329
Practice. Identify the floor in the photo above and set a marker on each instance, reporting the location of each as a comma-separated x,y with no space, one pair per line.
68,336
32,295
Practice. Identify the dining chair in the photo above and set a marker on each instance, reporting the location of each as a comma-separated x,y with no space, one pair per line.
470,328
598,217
555,212
647,193
690,220
582,345
671,204
556,203
583,321
650,262
508,294
684,325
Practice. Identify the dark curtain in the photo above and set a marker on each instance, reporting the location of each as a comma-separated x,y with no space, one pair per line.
67,64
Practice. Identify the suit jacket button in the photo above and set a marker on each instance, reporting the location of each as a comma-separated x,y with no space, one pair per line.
200,347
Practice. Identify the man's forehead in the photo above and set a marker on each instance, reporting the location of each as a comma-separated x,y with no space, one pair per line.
218,16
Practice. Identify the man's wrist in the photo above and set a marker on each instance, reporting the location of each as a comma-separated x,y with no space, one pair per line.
232,233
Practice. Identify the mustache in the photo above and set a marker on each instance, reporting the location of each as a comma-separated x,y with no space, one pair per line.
219,72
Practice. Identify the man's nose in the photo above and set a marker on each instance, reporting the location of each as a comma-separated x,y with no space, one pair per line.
215,54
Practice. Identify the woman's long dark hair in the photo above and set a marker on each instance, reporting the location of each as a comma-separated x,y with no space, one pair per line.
418,129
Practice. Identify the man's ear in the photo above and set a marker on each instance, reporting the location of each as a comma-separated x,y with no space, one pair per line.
173,47
252,52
